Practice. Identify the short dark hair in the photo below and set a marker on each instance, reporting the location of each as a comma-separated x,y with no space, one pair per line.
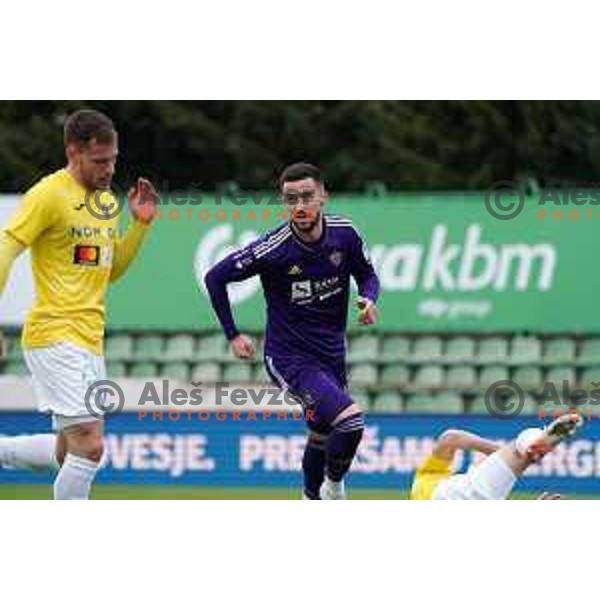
82,126
299,171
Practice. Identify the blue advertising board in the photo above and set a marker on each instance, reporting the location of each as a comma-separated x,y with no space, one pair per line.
227,452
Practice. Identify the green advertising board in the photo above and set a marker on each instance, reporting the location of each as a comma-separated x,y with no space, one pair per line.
445,263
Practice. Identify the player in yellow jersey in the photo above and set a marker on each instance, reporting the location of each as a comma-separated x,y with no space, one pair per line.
494,477
69,221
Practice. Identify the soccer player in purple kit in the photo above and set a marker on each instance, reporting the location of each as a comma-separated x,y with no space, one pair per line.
305,266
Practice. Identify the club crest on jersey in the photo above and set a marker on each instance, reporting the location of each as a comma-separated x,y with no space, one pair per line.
88,256
336,258
242,263
294,270
307,399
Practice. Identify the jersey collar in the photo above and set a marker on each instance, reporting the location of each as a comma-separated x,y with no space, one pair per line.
315,246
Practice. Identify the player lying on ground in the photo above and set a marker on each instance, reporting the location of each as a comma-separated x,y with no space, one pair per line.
494,477
69,220
305,266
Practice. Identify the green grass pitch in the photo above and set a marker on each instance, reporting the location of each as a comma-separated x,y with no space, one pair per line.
172,492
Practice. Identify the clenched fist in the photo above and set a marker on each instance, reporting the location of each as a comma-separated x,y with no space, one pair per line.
367,311
243,347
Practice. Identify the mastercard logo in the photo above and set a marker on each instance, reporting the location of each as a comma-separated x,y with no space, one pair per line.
87,255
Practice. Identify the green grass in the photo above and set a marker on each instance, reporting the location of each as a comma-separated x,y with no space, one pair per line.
172,492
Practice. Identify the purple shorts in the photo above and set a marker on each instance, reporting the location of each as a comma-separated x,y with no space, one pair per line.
321,389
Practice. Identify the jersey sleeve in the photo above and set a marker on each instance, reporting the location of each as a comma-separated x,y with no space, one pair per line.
237,266
126,248
362,269
10,249
33,216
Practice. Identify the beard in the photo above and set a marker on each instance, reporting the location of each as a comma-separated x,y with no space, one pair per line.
306,220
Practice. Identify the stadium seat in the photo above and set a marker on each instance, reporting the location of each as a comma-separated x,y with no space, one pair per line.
555,400
258,345
362,399
589,377
237,373
492,350
559,352
212,347
144,370
445,403
259,374
115,369
363,348
208,372
463,377
528,378
180,347
387,402
477,406
590,353
176,371
149,347
15,367
460,349
394,375
427,349
530,406
525,350
118,347
363,375
560,374
431,376
395,348
492,374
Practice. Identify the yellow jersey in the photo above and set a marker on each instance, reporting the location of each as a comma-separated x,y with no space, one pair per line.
428,476
71,260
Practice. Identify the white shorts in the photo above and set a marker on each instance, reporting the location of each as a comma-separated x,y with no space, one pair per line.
491,479
62,374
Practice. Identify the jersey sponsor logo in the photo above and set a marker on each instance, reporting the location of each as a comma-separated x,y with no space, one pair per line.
325,285
336,258
301,290
87,256
108,233
305,292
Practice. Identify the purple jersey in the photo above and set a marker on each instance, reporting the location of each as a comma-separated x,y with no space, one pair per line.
306,288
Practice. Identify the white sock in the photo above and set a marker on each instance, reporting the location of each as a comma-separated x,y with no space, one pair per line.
74,479
338,486
333,490
29,451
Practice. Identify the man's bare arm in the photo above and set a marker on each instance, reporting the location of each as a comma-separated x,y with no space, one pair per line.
456,439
